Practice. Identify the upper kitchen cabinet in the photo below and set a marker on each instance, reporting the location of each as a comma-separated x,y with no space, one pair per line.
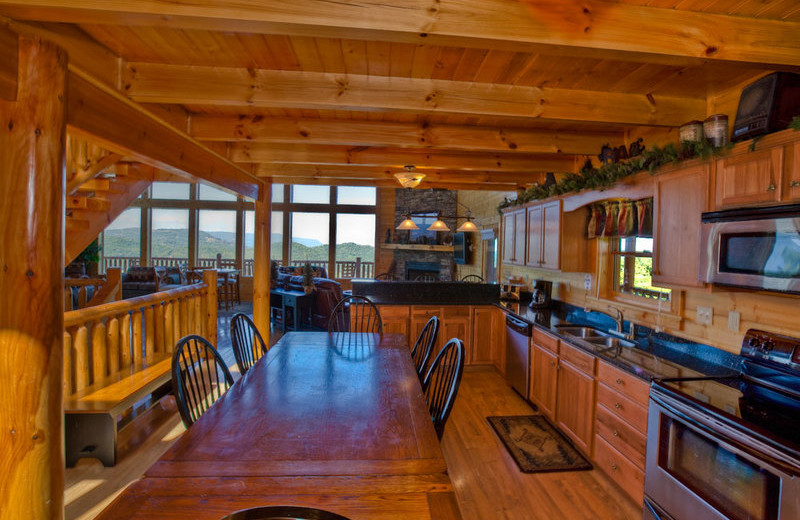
791,181
514,237
749,178
557,240
680,198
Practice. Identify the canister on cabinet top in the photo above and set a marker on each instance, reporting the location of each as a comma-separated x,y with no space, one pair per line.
716,129
691,131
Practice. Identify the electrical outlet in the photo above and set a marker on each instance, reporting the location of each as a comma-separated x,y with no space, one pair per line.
587,282
704,315
733,320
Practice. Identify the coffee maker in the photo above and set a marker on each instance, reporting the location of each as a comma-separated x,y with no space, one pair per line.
541,294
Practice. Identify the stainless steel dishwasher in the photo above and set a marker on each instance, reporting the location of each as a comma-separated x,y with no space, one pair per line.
518,354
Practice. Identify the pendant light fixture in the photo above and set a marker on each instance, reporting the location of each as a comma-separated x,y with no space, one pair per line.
407,223
409,178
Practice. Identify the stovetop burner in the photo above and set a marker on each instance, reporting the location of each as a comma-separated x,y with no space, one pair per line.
764,399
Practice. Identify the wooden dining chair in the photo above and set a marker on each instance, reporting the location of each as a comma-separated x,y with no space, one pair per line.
421,352
248,345
441,383
386,276
199,377
425,278
473,278
355,314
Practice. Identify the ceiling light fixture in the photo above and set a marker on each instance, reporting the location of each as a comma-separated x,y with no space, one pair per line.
409,178
407,223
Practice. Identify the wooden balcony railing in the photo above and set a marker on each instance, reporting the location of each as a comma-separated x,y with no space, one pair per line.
102,340
88,292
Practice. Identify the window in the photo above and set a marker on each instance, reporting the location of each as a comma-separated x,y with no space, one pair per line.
302,194
211,193
216,236
310,232
276,245
169,241
360,196
170,190
122,240
355,246
633,269
277,193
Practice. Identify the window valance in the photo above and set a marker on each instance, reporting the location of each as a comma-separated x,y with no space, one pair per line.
621,218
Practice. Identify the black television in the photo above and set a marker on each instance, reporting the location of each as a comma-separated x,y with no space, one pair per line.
461,243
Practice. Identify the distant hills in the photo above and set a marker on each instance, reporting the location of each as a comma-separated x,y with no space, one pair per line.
174,243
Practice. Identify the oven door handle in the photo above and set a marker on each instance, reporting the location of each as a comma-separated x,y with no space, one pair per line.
774,460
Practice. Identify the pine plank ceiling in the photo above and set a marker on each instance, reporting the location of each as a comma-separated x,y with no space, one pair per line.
477,94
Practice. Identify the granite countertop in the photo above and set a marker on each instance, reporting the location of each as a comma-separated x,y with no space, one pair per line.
654,356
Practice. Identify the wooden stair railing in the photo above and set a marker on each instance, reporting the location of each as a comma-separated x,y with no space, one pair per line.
104,290
117,354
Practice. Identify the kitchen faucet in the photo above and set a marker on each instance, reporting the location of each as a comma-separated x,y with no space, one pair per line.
619,321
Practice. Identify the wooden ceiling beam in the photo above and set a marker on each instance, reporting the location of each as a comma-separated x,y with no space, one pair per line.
358,172
259,129
586,29
196,85
100,114
84,53
385,183
397,158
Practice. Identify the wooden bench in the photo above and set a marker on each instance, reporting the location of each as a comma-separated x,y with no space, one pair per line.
94,415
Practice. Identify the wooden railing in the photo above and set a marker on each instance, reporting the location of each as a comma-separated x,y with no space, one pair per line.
123,262
88,292
100,341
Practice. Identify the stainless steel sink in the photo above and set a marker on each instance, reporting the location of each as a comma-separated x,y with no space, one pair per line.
581,332
609,342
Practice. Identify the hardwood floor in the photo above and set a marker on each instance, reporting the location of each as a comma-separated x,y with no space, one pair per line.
487,481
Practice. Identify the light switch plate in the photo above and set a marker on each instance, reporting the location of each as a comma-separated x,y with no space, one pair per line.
704,315
587,282
733,320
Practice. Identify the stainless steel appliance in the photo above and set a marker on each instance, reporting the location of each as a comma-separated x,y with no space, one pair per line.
518,354
728,447
541,294
757,248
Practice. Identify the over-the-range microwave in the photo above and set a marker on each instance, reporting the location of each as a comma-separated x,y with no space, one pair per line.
757,248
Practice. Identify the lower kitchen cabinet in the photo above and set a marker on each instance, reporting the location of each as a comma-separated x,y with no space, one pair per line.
621,440
488,336
395,320
544,378
576,400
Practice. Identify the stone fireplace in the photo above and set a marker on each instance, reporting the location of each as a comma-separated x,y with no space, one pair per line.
421,256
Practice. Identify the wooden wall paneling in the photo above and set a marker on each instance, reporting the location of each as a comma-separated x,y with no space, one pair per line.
32,335
677,37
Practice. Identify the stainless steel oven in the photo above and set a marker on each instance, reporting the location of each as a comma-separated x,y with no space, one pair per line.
728,447
752,247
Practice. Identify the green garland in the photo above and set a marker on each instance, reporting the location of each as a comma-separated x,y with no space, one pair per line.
607,175
795,123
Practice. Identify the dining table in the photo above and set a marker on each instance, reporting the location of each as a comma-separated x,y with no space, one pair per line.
335,421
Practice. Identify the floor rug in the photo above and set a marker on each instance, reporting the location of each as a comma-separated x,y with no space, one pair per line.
536,445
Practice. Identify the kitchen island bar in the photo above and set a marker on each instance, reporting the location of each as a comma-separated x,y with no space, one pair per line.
337,422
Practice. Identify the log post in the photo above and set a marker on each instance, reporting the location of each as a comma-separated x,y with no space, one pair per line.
261,268
32,181
210,278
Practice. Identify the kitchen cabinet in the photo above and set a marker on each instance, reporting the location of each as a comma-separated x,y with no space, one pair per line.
679,200
621,426
791,184
575,401
544,373
420,314
514,233
456,323
556,240
395,320
488,336
749,178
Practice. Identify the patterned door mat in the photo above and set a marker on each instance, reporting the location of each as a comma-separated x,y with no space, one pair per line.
536,445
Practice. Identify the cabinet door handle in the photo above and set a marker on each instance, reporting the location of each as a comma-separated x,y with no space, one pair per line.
794,184
615,433
617,406
553,363
619,381
614,467
771,187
